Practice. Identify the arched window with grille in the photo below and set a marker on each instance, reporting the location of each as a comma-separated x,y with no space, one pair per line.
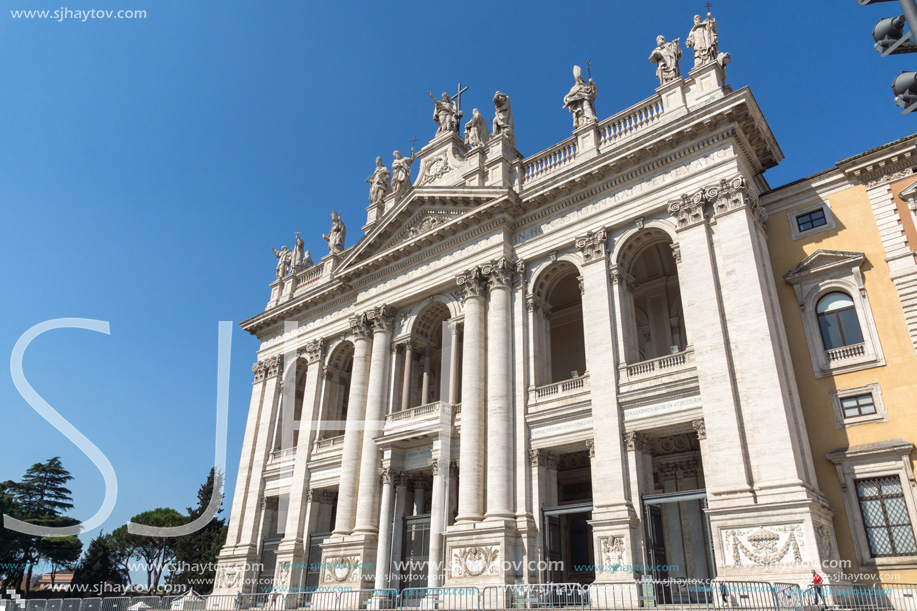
838,322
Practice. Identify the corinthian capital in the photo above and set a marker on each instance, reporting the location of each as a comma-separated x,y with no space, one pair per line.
268,368
593,246
382,318
361,326
499,272
689,210
314,350
733,194
473,283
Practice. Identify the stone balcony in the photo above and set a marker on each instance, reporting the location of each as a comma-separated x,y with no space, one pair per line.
421,419
282,456
656,374
330,445
844,353
559,394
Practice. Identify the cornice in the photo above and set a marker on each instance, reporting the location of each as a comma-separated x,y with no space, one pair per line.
882,165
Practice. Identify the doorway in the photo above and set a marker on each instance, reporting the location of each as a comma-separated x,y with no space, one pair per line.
568,544
678,541
415,552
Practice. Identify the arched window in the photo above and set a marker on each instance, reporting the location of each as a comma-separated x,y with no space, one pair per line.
837,319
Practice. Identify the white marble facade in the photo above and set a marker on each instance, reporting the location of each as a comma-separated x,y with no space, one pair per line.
539,358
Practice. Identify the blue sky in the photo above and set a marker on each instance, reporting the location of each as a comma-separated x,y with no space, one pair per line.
147,165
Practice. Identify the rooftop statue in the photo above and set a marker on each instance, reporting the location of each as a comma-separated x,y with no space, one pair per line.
581,99
666,56
703,39
284,261
301,258
503,119
379,183
476,133
335,236
401,173
446,114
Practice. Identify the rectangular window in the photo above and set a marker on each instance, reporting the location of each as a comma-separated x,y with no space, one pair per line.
885,517
859,405
811,220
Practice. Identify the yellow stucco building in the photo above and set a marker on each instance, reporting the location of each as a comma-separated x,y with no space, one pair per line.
842,244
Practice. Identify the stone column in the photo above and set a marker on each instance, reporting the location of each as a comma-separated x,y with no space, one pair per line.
453,492
640,468
407,384
401,494
499,392
455,363
420,494
382,319
386,513
293,547
614,518
437,522
353,435
726,463
471,446
427,375
241,546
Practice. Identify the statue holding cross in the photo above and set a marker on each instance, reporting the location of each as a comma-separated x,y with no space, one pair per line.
705,41
448,112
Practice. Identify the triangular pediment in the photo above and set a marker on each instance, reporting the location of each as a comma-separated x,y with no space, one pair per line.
909,191
823,261
425,215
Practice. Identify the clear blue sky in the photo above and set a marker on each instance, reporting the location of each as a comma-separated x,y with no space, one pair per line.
146,166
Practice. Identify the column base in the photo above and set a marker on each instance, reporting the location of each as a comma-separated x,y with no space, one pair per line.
482,554
237,571
349,561
782,537
617,543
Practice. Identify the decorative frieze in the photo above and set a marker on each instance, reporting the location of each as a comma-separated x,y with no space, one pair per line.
593,246
268,368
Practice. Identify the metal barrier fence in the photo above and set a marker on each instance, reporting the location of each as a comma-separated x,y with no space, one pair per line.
658,595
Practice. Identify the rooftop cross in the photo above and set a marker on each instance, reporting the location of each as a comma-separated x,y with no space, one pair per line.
708,6
458,104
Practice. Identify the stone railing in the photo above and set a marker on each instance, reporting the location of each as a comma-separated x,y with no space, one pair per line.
279,455
845,352
559,390
657,366
558,156
309,277
630,121
416,412
323,445
611,131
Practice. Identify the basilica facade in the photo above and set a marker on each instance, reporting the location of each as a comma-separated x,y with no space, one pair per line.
567,367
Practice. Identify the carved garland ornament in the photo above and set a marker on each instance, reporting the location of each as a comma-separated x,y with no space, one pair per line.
475,561
342,568
228,576
762,546
436,169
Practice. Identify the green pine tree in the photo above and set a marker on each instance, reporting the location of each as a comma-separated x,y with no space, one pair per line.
100,565
196,554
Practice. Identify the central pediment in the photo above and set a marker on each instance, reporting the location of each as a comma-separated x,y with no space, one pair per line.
427,214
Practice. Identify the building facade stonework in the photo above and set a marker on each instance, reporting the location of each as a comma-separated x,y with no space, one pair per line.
545,368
